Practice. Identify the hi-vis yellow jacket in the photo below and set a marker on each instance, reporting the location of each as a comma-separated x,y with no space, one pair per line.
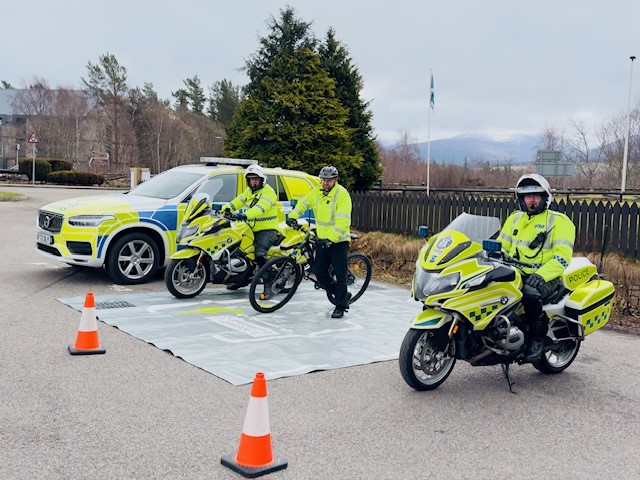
332,212
551,253
262,207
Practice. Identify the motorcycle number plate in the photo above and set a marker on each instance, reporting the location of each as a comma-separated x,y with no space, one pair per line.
44,238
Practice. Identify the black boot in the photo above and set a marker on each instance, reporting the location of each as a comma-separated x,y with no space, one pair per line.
537,331
535,350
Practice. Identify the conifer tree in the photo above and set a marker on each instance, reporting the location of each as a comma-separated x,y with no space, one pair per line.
336,60
223,101
290,116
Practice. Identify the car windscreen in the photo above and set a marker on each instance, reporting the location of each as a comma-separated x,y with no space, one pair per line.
166,185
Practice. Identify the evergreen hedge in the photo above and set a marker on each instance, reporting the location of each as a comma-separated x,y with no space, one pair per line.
43,167
72,177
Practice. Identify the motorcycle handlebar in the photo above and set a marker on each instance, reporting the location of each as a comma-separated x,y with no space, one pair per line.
507,259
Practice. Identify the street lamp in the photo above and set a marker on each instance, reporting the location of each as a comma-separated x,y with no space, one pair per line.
626,140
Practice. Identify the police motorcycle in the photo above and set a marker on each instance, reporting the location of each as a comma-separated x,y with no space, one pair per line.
472,310
214,247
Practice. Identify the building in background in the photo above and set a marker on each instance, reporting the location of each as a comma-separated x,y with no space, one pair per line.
12,130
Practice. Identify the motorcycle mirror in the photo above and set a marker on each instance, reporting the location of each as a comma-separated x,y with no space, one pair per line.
491,245
423,231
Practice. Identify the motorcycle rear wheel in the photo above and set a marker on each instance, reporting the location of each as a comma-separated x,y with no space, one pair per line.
422,365
182,281
274,284
552,362
358,276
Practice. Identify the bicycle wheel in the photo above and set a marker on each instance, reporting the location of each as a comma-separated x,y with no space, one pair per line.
274,284
358,276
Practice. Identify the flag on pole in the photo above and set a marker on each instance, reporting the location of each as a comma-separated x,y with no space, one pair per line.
432,101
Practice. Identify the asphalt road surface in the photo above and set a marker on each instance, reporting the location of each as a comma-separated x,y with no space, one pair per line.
140,413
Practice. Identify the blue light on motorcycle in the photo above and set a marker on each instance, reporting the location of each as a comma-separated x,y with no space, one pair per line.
423,231
491,245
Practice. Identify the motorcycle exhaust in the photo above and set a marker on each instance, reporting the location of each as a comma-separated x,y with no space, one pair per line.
475,361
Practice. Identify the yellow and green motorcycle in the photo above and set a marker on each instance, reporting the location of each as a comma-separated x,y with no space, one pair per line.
472,310
212,247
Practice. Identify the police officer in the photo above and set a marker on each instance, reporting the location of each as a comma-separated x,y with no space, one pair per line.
543,239
331,205
262,212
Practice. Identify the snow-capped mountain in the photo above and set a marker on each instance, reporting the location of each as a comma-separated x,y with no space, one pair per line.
517,148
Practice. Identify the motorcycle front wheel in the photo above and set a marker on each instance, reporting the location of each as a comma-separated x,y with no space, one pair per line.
422,365
182,280
274,284
358,276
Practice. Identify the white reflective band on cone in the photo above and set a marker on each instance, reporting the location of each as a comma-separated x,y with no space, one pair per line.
256,422
88,320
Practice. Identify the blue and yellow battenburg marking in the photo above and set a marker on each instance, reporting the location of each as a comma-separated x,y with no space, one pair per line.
481,312
598,318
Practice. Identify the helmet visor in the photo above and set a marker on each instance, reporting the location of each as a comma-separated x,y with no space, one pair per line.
527,189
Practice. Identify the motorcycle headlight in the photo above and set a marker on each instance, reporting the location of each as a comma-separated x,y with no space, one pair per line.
89,220
186,231
431,283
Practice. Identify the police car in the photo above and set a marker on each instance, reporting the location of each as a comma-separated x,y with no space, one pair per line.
133,234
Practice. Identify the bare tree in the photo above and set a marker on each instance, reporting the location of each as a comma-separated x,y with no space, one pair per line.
35,99
59,116
581,151
401,164
551,139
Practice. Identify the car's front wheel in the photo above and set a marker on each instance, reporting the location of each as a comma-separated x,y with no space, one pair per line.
133,258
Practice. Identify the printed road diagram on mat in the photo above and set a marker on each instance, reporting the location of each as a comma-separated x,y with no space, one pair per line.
218,331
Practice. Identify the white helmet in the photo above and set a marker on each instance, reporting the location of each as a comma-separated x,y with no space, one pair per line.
533,183
255,171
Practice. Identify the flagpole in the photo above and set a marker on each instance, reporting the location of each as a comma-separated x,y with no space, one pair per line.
626,138
431,107
428,151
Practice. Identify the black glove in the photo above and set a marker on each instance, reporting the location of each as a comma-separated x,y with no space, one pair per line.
292,222
239,217
534,281
226,211
323,243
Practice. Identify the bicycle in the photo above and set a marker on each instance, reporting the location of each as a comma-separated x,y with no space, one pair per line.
275,283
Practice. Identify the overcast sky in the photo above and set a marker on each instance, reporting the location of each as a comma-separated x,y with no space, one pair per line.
500,66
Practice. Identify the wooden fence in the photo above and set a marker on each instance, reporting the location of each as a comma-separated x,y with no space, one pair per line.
404,213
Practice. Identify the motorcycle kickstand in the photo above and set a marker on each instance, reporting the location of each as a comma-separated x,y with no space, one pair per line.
505,372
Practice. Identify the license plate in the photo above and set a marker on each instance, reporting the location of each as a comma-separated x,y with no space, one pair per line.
44,238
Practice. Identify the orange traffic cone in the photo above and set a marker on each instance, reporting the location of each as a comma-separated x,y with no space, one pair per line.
255,457
87,339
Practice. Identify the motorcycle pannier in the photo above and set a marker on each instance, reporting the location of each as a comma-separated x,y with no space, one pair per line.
591,304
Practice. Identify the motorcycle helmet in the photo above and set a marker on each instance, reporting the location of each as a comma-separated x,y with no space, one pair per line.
255,171
328,172
537,184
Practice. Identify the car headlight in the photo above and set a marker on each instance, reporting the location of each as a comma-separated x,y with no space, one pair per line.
89,220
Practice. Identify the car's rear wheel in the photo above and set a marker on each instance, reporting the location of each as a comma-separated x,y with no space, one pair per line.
133,258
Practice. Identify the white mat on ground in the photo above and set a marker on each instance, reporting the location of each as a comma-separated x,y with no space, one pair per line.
218,331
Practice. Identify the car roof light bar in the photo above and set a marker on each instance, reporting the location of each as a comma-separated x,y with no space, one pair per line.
227,161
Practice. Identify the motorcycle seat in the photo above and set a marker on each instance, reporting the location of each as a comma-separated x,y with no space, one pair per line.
556,296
